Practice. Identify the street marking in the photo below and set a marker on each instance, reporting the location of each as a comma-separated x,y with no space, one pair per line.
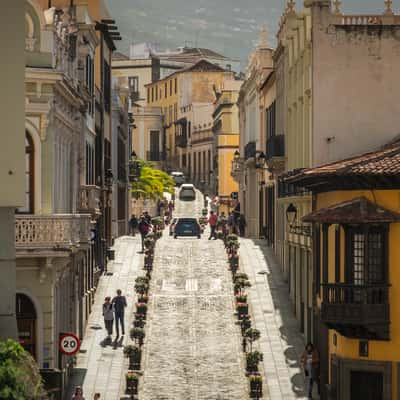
167,286
216,285
191,285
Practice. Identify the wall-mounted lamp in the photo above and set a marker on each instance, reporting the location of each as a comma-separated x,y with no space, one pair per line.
291,214
291,217
236,155
260,161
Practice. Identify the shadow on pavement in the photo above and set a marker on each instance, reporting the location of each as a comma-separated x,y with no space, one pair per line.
290,328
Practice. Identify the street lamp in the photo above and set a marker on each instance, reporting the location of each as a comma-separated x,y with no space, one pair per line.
291,214
260,162
236,155
109,178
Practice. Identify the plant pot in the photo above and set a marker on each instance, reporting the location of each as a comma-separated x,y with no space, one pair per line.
251,368
256,389
132,386
242,309
134,361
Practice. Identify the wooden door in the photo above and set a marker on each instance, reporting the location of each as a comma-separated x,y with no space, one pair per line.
366,385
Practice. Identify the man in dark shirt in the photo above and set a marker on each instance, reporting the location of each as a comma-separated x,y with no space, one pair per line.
119,303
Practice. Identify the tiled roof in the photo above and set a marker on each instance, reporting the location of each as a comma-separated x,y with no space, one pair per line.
192,54
358,210
382,163
119,56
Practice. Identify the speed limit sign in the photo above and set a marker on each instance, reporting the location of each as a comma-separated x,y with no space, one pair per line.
69,344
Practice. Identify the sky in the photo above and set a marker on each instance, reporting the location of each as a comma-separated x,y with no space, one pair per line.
230,27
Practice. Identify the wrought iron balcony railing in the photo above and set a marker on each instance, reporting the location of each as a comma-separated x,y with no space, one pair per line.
57,231
181,141
89,199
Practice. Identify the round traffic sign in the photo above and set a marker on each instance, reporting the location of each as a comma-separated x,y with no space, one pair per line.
69,344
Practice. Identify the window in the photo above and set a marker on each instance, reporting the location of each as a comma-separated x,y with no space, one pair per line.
148,95
165,90
170,87
29,176
271,120
89,82
107,86
152,94
175,112
133,82
156,90
367,258
176,86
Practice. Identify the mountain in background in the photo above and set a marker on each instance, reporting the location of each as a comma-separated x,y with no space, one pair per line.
230,27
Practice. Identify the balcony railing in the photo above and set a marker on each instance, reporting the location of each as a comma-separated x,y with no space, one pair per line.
155,156
181,141
57,231
355,305
89,199
275,146
250,150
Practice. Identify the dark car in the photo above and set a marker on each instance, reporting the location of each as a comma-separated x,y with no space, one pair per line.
187,227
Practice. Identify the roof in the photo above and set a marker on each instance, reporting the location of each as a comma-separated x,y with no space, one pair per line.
193,54
119,56
380,168
200,66
355,211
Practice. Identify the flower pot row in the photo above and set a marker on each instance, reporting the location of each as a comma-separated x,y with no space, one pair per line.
137,333
240,284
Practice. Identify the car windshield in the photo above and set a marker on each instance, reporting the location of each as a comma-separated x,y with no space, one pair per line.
187,222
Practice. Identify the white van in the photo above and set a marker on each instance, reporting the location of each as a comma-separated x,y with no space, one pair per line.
178,177
187,192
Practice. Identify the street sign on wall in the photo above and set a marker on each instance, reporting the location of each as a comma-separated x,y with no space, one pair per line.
69,344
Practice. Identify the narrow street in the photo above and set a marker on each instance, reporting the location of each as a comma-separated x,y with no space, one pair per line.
193,348
193,345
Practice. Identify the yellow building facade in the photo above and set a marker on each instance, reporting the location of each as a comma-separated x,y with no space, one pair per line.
356,224
226,141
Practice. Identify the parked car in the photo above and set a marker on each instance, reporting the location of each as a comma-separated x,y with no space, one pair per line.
172,226
178,177
187,227
187,192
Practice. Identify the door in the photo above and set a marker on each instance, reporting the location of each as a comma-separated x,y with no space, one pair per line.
26,323
154,146
366,385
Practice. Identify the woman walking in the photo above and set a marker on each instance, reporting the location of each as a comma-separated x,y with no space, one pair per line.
310,363
108,314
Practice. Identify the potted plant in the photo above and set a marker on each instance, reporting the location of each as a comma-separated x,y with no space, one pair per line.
255,386
134,354
252,360
241,298
132,380
204,211
138,335
142,279
252,335
232,238
149,242
143,298
139,321
245,323
242,309
141,308
240,285
241,275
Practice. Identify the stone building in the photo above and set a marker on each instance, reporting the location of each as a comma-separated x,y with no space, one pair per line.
64,226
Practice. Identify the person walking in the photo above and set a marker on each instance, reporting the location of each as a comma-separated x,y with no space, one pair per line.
309,362
144,229
133,224
147,217
213,220
78,395
108,315
242,224
119,303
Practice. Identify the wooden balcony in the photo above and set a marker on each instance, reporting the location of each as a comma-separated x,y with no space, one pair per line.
89,200
357,311
55,233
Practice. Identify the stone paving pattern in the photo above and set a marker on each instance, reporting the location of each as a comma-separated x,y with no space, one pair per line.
273,314
192,350
100,367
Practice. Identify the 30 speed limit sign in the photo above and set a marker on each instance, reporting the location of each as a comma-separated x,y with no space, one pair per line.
69,344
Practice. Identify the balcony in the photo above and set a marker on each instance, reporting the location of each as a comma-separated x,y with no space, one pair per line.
89,199
250,150
275,146
181,141
56,233
357,311
155,156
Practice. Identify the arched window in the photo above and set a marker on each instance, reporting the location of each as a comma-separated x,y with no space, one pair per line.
29,176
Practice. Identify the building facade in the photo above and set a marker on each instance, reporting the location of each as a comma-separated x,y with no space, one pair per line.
63,228
226,142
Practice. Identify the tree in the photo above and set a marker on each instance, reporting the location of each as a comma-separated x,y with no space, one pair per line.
19,375
152,182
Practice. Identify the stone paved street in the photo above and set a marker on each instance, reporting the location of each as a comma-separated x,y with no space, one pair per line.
100,368
193,347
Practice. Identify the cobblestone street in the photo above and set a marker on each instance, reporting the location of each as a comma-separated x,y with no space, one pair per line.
193,348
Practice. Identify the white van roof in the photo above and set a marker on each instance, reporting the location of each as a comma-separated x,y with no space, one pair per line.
187,186
176,173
